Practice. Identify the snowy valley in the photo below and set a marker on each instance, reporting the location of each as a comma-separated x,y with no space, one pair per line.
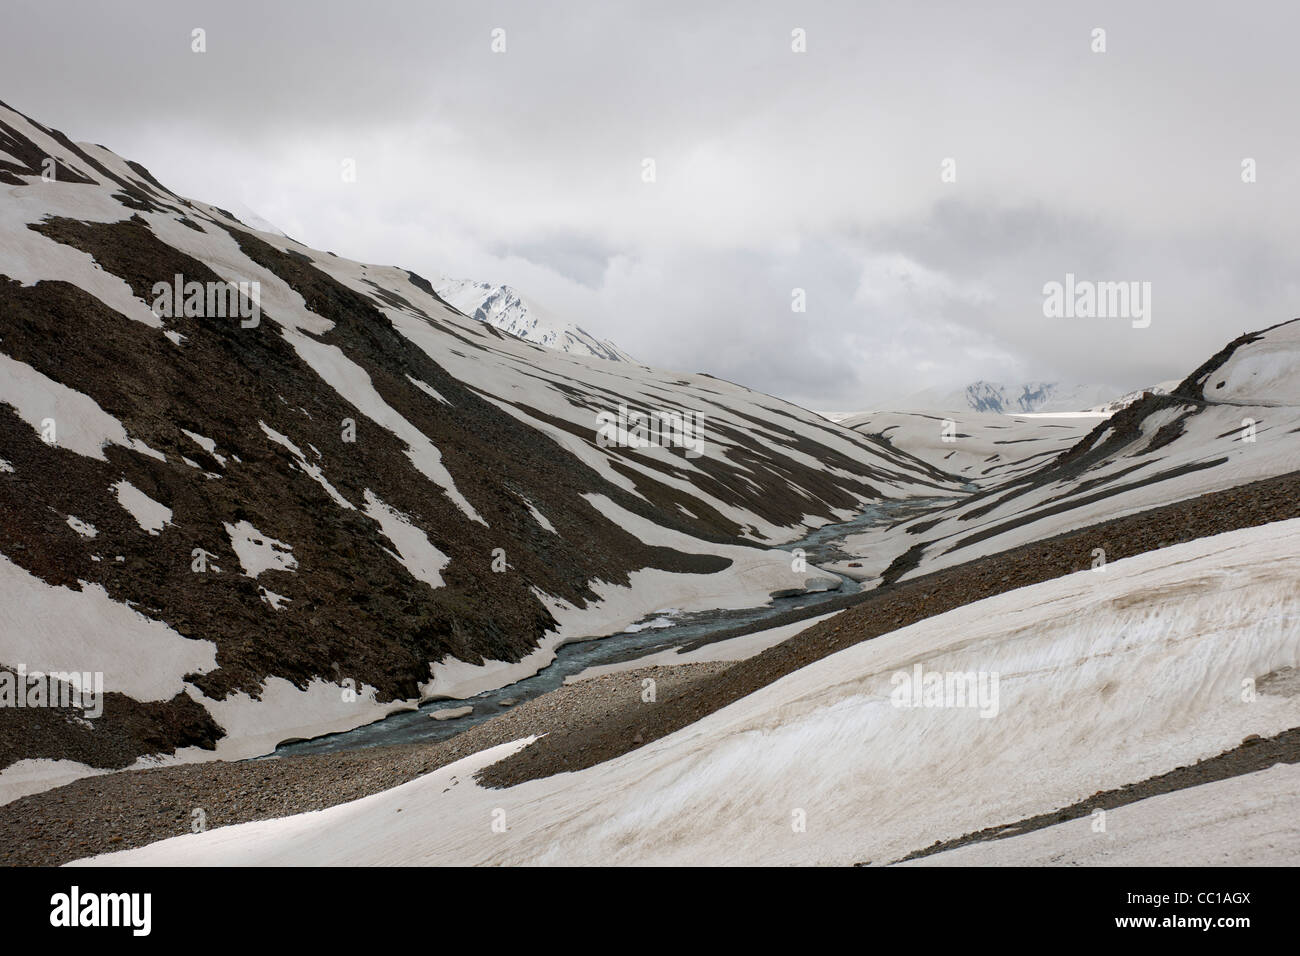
355,520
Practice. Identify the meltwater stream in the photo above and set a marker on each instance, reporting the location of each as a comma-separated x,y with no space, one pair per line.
415,726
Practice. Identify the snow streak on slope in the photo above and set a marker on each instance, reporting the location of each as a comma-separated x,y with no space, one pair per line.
502,307
324,493
1104,678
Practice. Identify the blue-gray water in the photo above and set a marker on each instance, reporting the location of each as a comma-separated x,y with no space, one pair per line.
416,727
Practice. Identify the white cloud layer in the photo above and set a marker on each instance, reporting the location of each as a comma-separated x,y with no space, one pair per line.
774,170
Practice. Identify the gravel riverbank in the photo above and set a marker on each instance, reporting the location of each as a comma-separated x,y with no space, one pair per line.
132,808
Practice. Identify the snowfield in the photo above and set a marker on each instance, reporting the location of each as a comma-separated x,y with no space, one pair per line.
1104,678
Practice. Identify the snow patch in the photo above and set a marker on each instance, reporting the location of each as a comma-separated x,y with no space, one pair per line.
351,381
83,528
427,389
50,628
207,444
35,775
277,601
148,514
258,552
540,518
313,471
78,423
414,552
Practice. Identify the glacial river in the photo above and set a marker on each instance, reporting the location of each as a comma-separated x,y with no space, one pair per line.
415,726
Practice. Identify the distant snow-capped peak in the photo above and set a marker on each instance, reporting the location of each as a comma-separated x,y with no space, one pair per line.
503,307
983,396
1023,399
1035,396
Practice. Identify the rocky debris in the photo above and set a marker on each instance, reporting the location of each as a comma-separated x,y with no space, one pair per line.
135,807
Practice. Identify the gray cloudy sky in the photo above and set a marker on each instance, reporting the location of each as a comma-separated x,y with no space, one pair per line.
775,169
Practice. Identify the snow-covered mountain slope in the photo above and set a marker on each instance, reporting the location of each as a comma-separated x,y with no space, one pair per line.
995,397
1235,420
1260,368
353,496
502,306
981,448
1124,401
1095,680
